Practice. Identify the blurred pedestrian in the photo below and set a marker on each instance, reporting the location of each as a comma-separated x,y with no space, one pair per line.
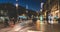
13,19
34,20
12,23
50,19
41,18
6,21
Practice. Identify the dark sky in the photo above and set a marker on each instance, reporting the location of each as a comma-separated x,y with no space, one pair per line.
32,4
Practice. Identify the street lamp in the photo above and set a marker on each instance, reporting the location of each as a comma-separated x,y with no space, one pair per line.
17,6
41,6
41,16
16,3
26,8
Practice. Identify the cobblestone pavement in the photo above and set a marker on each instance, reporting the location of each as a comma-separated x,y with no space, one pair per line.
25,27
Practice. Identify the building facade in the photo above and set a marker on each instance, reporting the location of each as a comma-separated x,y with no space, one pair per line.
52,6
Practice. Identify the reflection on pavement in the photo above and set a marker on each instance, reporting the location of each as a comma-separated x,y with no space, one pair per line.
25,27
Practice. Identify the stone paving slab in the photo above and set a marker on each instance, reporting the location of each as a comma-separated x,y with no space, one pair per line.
17,28
5,29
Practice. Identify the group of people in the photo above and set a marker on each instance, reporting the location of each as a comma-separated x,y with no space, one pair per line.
51,18
13,20
7,21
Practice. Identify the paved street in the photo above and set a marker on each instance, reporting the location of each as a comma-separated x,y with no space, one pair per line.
52,28
26,27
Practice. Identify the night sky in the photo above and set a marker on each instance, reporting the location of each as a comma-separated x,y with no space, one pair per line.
32,4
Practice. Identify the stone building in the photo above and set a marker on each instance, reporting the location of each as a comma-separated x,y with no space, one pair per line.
52,6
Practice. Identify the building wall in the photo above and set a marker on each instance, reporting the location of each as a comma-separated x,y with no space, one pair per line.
52,6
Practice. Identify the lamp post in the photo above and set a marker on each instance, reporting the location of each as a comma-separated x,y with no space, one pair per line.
41,16
41,6
16,10
39,26
27,10
17,6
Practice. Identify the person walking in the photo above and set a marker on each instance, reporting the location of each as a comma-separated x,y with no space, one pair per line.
50,18
6,21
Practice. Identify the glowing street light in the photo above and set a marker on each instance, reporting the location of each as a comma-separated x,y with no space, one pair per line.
41,6
16,3
17,6
26,8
